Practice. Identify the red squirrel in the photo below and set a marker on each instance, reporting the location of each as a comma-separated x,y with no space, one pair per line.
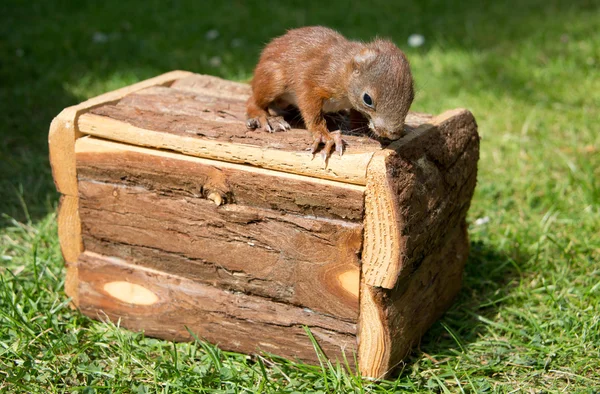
318,70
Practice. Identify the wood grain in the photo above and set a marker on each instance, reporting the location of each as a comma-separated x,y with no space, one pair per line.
415,243
61,143
64,130
394,320
350,168
374,335
383,242
167,306
162,171
417,189
219,118
213,86
71,245
286,257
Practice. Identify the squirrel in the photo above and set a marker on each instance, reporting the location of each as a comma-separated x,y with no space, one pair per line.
318,70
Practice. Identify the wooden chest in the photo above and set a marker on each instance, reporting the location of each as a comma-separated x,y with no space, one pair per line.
175,218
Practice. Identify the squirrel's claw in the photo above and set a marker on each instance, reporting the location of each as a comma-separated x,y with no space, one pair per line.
276,123
339,143
326,152
330,140
253,123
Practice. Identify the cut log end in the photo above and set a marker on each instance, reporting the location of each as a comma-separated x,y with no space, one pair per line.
349,280
130,293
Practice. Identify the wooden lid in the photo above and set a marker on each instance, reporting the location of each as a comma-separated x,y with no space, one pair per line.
204,116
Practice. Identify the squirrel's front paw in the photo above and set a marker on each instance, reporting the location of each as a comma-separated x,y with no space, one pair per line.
330,140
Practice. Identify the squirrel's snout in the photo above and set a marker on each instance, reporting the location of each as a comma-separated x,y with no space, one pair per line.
378,126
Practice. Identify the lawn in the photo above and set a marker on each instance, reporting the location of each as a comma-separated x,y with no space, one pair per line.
528,316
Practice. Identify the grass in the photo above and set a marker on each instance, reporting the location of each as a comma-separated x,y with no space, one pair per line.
528,316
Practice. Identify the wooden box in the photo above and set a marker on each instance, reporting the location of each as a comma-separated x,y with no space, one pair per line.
174,217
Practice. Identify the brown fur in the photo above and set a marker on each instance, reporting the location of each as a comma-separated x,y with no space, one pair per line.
317,69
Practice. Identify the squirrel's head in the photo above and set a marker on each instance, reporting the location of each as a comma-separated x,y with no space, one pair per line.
381,87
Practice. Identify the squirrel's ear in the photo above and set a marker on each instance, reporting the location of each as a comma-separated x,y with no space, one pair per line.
364,57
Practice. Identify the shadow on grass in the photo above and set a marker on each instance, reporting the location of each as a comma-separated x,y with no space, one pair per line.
488,280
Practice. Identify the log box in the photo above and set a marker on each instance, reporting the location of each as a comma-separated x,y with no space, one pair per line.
175,218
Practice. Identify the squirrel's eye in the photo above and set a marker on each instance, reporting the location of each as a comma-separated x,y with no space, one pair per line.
368,100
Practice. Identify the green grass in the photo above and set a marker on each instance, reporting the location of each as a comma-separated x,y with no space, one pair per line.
528,316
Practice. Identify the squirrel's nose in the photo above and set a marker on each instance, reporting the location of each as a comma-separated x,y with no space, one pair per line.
379,124
385,130
381,128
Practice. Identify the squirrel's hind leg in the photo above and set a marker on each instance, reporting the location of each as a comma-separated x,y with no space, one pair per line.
258,117
267,87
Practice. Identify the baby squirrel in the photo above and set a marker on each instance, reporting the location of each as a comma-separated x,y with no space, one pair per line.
318,70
